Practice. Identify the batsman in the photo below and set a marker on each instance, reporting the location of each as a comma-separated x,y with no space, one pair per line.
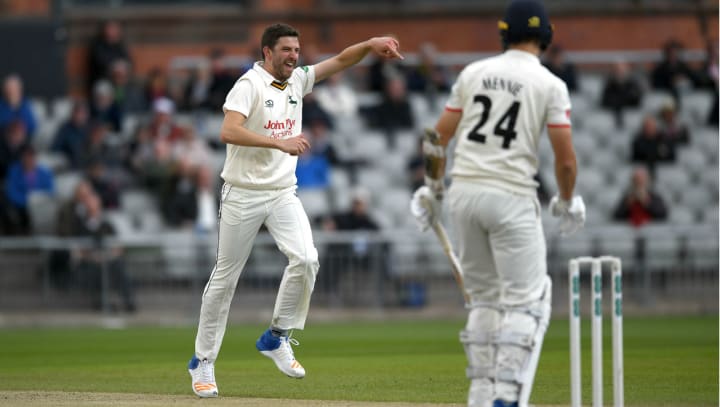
497,111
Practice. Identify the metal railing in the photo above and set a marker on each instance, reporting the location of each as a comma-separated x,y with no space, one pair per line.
384,270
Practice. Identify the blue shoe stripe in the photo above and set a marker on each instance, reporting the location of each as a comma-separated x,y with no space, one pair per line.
267,342
194,362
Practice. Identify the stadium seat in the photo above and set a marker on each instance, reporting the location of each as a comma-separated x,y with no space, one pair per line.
45,133
121,223
419,105
620,174
692,159
709,178
661,251
585,146
43,209
581,107
39,109
591,86
384,220
141,209
702,248
632,119
672,178
396,203
374,179
696,105
680,215
315,201
617,239
620,142
604,201
599,122
65,185
266,260
394,166
211,125
580,244
654,100
603,160
710,215
706,139
406,143
696,198
590,183
180,253
369,146
57,162
349,125
62,108
545,151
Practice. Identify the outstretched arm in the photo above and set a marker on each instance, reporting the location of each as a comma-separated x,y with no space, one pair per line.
386,47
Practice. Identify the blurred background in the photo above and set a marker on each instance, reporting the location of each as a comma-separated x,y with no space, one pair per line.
110,153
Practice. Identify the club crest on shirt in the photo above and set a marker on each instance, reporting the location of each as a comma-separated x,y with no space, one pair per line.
269,103
291,100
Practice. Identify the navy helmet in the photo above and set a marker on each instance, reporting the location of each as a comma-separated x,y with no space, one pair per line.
525,19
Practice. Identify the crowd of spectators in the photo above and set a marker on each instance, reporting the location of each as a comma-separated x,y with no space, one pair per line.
164,155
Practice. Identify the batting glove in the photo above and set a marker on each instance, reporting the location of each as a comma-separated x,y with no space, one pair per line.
425,207
571,214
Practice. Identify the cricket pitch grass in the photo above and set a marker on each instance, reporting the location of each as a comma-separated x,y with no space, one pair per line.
669,362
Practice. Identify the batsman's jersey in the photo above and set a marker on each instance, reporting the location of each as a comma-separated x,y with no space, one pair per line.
273,109
505,101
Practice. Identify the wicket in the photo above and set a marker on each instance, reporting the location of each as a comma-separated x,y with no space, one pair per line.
596,264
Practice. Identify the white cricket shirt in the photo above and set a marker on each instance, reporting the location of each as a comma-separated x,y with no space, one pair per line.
505,101
273,109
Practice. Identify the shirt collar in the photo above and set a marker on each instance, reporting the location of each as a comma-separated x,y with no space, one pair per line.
515,53
269,79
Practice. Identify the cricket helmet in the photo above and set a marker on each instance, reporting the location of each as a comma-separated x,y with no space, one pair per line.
525,19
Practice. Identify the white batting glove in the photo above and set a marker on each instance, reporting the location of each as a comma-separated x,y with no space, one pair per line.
425,208
571,214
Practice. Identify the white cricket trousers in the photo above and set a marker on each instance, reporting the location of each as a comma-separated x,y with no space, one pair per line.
500,242
242,213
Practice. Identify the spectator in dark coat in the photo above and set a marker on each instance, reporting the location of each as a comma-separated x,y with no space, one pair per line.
672,129
72,136
671,72
107,47
556,63
649,147
14,140
394,112
621,91
103,107
83,216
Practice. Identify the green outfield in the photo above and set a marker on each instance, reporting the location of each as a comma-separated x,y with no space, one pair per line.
668,362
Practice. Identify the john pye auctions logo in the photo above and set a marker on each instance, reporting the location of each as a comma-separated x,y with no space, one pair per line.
284,128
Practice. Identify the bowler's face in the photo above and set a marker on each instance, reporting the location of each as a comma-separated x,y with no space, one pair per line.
284,57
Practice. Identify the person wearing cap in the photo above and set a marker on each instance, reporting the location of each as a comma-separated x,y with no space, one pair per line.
497,111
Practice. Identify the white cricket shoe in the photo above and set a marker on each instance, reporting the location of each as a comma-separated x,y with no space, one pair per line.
203,377
280,351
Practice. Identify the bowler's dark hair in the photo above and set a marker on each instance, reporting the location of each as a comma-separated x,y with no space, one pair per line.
273,33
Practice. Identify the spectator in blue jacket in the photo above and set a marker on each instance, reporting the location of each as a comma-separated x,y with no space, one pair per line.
15,106
25,177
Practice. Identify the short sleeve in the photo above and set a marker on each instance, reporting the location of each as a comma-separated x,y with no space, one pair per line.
240,98
558,112
306,75
455,100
